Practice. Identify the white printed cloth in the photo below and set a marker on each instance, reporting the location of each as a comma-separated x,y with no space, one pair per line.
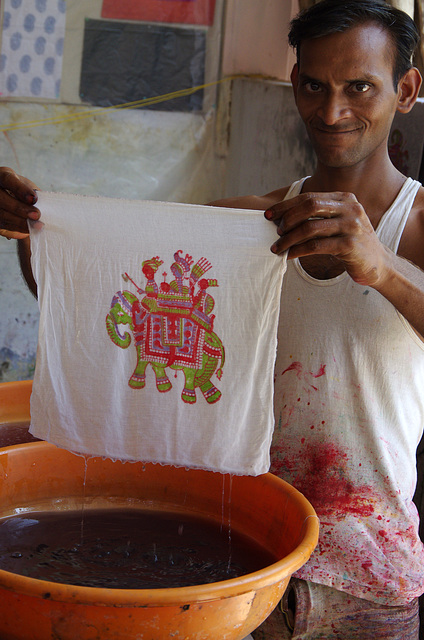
157,335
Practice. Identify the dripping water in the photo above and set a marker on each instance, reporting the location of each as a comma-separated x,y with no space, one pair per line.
222,503
83,499
226,521
230,550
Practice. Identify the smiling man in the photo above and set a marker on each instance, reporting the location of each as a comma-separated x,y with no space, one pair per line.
349,404
349,379
346,99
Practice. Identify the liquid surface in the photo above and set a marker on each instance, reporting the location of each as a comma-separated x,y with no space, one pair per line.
126,549
15,433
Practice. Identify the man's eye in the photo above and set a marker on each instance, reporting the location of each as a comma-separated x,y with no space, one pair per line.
361,87
312,86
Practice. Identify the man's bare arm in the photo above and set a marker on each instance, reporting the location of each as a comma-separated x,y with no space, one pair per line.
403,286
24,253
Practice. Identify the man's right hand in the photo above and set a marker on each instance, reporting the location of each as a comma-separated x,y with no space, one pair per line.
18,196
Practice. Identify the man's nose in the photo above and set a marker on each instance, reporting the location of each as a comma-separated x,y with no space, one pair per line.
333,108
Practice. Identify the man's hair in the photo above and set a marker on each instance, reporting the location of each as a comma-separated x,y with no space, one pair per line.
335,16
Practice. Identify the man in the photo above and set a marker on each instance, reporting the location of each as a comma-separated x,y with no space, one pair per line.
349,402
339,402
350,360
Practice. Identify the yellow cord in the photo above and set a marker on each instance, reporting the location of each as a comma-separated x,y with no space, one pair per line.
88,113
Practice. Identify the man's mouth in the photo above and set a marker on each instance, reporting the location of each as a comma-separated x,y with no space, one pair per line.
336,131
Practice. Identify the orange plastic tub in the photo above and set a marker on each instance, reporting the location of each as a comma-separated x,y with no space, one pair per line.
14,412
39,476
14,401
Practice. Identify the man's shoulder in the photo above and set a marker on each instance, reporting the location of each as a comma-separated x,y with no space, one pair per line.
253,202
417,210
419,200
412,241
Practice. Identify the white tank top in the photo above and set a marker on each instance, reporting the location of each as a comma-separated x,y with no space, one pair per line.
349,411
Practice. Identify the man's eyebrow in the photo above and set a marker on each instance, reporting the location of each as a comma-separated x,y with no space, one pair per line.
366,77
305,78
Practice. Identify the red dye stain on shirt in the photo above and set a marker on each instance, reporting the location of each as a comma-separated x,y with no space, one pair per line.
295,366
320,372
304,375
321,473
298,367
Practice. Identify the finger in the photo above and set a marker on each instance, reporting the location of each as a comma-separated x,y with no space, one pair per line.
279,209
19,187
10,207
16,219
303,200
13,235
308,213
315,246
312,229
309,205
13,224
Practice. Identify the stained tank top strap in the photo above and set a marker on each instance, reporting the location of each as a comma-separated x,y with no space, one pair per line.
392,224
295,188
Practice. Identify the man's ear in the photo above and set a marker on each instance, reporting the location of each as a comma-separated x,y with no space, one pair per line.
408,90
294,78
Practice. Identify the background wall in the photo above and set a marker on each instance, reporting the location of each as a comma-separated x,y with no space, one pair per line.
65,143
246,137
255,38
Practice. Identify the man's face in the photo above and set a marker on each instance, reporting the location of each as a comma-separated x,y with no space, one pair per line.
345,95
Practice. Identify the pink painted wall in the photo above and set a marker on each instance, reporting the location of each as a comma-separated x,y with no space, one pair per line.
255,40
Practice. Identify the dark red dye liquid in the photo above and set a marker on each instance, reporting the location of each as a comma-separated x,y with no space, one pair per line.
126,549
15,433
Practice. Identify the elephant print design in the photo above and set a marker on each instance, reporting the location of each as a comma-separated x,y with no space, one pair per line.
172,327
